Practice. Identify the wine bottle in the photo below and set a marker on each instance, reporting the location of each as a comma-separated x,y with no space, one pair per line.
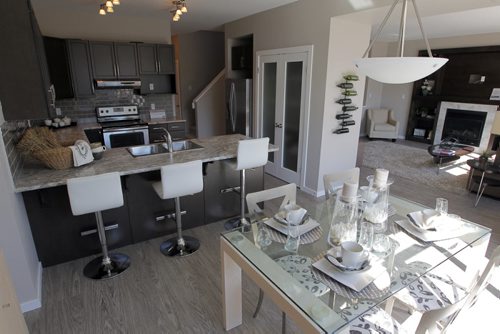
349,108
344,101
349,93
351,77
343,116
346,85
341,130
348,122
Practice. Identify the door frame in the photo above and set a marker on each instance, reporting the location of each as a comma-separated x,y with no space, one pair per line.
304,117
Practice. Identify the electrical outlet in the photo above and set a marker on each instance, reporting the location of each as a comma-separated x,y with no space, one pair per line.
153,106
58,112
151,86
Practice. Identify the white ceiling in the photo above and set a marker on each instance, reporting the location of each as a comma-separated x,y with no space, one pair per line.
442,18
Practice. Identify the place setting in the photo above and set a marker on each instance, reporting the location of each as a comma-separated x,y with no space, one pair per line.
434,224
291,226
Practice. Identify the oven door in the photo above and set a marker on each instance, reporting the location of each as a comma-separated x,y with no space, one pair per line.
125,136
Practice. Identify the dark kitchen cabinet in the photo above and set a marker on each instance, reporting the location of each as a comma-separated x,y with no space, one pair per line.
177,131
156,59
166,59
24,70
103,60
59,67
114,60
126,60
81,70
152,217
219,176
147,58
59,236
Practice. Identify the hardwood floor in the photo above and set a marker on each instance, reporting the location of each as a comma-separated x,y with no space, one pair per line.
168,295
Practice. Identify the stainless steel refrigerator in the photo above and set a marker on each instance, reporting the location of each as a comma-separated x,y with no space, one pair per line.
239,102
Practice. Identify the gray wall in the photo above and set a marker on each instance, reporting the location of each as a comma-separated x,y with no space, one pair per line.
201,58
15,236
298,24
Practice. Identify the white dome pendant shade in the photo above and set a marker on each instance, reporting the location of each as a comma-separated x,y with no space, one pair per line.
399,70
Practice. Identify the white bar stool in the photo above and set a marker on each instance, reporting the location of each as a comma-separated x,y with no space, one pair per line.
252,153
95,194
179,180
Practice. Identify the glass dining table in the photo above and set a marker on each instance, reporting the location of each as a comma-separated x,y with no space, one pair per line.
330,306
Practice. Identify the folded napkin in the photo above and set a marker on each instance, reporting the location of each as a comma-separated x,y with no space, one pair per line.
355,281
82,154
425,219
309,225
448,229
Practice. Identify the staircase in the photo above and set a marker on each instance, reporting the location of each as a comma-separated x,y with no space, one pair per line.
210,108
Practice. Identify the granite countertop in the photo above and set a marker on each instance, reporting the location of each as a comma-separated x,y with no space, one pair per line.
36,176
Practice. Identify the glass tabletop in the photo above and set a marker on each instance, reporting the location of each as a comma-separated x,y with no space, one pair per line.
327,302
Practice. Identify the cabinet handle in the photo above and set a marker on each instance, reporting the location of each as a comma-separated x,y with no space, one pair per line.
168,216
117,70
94,230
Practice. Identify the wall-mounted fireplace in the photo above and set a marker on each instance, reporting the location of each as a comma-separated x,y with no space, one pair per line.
469,123
465,125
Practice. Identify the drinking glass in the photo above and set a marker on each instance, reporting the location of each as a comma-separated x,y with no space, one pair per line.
442,206
381,243
366,235
263,236
293,238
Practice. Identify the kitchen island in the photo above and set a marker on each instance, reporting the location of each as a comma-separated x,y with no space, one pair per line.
59,236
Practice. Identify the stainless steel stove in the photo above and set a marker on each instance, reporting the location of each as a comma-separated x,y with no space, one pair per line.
122,126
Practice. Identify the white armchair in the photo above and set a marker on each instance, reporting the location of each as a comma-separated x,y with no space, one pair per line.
381,123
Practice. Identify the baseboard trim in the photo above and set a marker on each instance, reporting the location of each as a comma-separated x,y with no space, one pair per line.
37,302
309,191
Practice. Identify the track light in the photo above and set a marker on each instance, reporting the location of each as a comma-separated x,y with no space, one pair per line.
102,10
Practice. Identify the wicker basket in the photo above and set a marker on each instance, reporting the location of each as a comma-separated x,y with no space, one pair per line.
56,158
38,139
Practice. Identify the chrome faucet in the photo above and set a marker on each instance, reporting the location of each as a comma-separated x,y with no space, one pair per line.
168,139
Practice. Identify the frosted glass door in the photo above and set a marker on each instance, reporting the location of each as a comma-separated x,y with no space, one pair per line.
281,106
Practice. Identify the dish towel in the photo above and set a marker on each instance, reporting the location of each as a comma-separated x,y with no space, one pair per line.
82,153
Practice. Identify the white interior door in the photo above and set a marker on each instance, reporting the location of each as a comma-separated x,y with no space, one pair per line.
281,103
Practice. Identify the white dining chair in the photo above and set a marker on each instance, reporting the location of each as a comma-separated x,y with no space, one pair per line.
434,308
334,181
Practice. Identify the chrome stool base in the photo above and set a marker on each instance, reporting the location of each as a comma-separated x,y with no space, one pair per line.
97,270
171,247
235,223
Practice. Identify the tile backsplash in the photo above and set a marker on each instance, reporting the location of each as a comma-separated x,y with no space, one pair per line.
12,133
85,107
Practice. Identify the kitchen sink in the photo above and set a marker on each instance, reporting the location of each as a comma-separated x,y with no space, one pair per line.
181,145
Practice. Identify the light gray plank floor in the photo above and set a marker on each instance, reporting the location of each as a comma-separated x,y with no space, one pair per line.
164,295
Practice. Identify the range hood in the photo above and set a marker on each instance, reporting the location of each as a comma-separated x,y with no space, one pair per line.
132,83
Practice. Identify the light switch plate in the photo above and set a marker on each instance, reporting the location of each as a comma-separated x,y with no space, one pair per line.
151,86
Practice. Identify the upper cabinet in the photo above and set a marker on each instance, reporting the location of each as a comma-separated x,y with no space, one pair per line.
25,90
114,60
156,59
81,73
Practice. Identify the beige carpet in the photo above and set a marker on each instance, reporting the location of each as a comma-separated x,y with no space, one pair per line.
417,165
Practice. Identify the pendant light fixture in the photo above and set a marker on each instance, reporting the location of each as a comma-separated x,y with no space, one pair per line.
400,69
116,2
107,7
178,9
102,9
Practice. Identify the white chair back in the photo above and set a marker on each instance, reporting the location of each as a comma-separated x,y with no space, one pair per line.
252,153
95,193
428,322
288,191
378,115
335,181
181,179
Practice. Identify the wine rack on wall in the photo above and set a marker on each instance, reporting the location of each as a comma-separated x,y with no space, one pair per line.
345,117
